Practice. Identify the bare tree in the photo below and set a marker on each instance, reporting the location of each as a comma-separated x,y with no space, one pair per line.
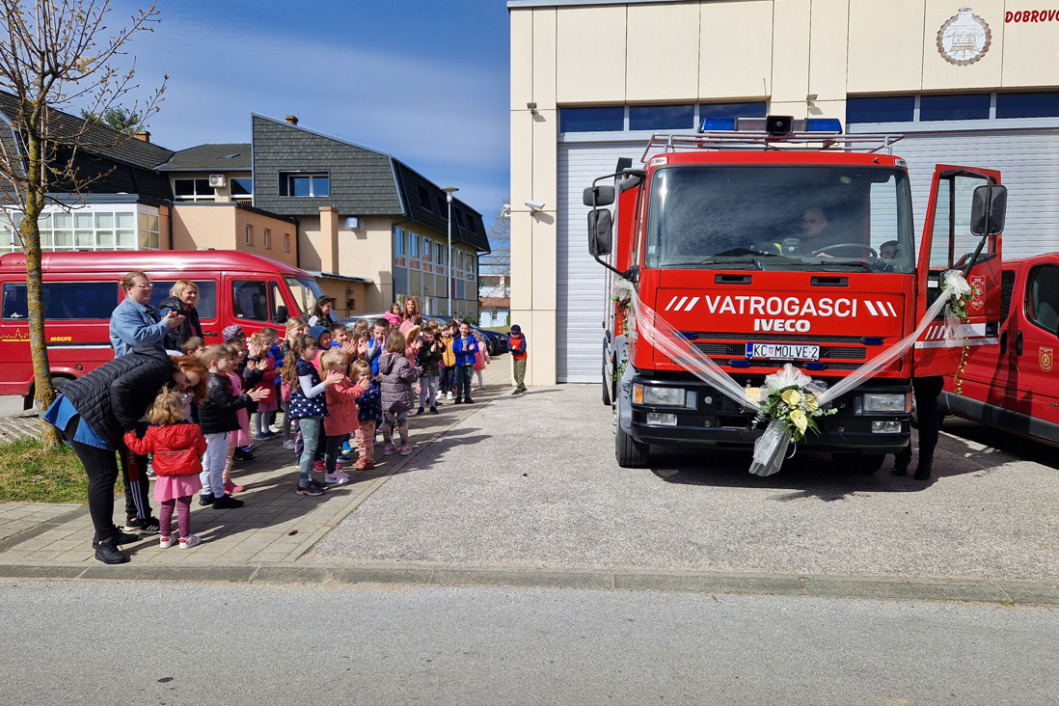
55,56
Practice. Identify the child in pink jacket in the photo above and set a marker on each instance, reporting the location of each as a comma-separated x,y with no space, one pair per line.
341,419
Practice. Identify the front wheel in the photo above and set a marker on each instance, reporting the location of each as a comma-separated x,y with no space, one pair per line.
630,452
861,464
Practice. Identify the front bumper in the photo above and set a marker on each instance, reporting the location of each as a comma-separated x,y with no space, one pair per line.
716,420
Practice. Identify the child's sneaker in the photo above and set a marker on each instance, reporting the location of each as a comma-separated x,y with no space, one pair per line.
189,542
319,466
420,411
346,448
312,489
262,437
388,449
289,444
166,542
344,459
336,478
405,450
448,395
206,499
433,410
231,487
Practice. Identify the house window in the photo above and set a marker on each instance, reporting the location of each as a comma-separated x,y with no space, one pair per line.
268,239
86,230
427,250
286,242
305,184
956,107
591,119
193,190
459,217
413,251
250,235
885,109
442,206
661,117
242,188
424,199
398,247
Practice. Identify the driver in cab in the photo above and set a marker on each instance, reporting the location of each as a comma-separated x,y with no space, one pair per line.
815,233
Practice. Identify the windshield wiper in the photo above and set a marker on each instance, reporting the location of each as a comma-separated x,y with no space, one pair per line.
737,261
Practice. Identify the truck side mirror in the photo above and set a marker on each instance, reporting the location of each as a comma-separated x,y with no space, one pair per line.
600,225
988,209
281,315
595,196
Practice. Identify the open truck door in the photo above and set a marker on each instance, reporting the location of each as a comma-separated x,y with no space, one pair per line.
961,231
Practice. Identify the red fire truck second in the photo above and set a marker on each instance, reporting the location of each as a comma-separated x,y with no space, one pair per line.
785,242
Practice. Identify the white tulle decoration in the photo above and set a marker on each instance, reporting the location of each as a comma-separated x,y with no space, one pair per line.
771,447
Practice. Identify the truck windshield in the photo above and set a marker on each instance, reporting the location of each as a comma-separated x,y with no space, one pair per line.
780,218
305,291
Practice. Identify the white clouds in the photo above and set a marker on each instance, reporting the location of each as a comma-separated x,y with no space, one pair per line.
446,119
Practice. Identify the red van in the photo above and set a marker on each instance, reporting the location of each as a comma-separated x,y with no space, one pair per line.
1016,386
81,290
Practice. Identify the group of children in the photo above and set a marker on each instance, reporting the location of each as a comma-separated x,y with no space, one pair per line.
334,385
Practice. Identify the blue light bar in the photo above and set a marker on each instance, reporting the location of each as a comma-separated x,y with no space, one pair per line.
712,124
823,125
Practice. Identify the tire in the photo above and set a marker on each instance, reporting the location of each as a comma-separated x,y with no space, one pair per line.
57,382
859,464
629,452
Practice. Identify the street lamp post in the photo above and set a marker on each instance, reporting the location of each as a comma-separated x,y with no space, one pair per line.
448,265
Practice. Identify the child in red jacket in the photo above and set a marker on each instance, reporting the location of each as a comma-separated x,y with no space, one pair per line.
341,419
177,446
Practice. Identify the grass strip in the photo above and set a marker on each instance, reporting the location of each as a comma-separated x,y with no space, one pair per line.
28,473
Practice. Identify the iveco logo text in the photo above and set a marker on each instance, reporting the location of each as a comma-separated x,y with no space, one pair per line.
776,307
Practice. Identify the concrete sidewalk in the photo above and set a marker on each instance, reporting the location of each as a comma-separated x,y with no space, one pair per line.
275,526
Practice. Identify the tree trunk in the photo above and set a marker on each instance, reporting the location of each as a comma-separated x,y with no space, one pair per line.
29,231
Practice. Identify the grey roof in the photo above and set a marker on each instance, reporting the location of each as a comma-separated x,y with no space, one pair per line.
98,139
113,161
363,181
226,157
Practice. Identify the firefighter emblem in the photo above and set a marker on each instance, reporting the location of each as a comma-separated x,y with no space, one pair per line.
964,38
1046,359
977,292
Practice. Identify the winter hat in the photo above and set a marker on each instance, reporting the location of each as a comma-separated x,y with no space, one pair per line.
316,331
515,328
233,333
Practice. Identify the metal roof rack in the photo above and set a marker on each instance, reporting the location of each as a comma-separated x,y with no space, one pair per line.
761,140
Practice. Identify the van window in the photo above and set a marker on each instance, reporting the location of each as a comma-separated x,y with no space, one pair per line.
305,291
207,304
278,309
249,300
64,301
1042,297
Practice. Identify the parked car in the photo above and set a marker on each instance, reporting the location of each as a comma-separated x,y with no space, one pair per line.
1015,385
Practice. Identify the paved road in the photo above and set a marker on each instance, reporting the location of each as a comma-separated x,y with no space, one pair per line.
531,482
236,644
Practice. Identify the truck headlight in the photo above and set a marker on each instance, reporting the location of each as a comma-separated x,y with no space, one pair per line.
659,396
887,403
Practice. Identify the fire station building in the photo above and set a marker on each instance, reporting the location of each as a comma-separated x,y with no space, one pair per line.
591,80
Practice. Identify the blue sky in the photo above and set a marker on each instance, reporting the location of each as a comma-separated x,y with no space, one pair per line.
424,81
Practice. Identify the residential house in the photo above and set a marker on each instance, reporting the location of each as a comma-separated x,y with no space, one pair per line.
364,213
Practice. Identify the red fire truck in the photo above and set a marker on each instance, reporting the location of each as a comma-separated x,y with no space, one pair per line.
783,242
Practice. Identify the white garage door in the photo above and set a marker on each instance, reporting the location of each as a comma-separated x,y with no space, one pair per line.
1028,161
582,297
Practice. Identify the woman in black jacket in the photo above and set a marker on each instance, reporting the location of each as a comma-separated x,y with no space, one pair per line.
96,410
183,299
